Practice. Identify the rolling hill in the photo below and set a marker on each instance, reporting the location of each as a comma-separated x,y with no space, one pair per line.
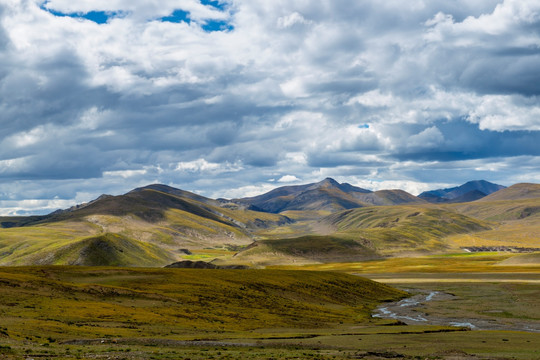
303,250
516,211
145,227
403,229
516,192
71,303
365,234
322,222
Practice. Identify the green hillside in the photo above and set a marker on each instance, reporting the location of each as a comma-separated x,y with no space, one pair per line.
397,229
156,225
516,222
515,192
304,250
501,210
64,303
109,250
144,227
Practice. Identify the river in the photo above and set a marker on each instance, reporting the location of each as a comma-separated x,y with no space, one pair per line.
410,312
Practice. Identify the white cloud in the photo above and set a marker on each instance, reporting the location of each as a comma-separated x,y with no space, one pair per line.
26,207
244,191
373,98
291,20
137,8
125,173
501,112
427,139
288,179
288,91
201,165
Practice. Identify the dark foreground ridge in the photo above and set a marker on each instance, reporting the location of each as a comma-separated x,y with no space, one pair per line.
188,264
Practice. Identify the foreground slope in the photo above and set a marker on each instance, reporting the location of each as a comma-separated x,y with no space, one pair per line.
68,303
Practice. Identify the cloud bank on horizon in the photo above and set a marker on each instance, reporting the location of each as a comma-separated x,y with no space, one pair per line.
235,97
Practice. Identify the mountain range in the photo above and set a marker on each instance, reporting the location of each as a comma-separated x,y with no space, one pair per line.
326,221
326,195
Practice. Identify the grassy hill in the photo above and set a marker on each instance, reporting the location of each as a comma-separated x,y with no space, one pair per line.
515,212
156,225
303,250
108,250
364,234
144,227
403,229
74,303
515,192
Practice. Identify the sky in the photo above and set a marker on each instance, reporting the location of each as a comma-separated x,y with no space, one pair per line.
232,98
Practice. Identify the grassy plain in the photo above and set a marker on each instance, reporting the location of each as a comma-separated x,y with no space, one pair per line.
118,313
58,308
445,263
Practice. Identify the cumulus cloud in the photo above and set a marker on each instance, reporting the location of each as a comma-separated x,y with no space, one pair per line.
288,179
216,96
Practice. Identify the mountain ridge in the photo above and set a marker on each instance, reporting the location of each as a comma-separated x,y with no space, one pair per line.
325,221
328,195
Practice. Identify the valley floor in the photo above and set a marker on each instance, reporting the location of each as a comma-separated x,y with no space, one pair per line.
114,313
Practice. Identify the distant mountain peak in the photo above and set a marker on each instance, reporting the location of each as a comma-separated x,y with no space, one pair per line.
470,191
328,195
326,183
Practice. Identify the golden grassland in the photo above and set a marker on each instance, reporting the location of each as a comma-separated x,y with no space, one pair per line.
445,263
77,302
119,313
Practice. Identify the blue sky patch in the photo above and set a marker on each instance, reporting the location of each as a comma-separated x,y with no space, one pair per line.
363,126
214,25
177,17
99,17
214,3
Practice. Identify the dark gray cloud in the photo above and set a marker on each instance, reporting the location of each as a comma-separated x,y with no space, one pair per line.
413,95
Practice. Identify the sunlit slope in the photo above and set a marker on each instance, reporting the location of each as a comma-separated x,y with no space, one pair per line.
84,303
31,244
517,220
515,192
153,226
365,234
397,229
109,250
72,243
304,250
517,202
522,260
